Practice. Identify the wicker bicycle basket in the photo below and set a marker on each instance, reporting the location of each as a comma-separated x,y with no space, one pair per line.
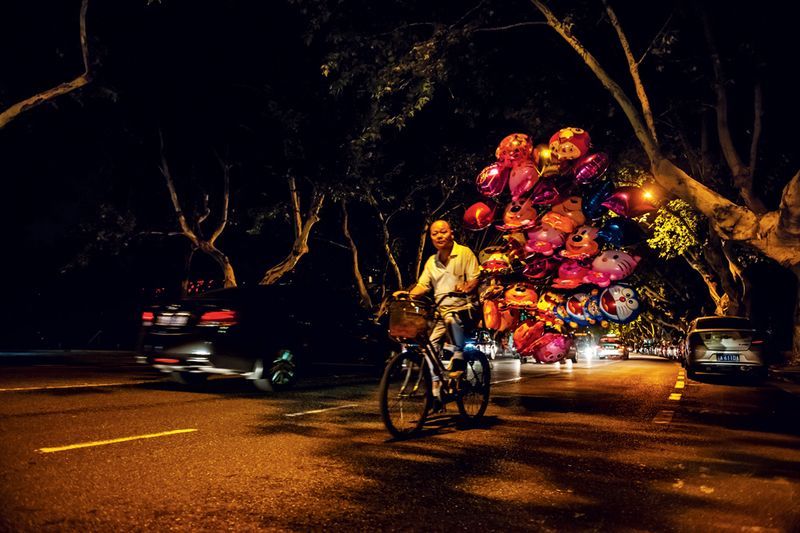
410,318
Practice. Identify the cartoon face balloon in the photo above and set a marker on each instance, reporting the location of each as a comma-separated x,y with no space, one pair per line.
519,215
514,150
620,304
582,243
544,240
491,314
526,334
521,295
551,347
590,167
592,310
509,318
479,216
628,201
571,274
565,216
492,180
538,267
576,311
612,265
493,260
522,179
570,143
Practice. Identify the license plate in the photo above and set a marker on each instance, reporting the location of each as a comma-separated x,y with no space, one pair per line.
727,357
172,319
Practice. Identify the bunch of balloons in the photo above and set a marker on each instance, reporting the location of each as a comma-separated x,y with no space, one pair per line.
559,256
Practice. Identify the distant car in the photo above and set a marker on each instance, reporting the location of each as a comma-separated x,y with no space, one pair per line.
609,347
482,340
268,334
723,344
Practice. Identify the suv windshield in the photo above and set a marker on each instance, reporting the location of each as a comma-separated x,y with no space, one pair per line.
722,322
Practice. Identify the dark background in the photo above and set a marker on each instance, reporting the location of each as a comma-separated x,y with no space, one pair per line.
232,78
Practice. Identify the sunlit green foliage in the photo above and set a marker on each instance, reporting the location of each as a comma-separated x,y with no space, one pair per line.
675,229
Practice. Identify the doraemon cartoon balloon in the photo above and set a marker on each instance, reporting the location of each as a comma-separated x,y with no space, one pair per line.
576,311
620,303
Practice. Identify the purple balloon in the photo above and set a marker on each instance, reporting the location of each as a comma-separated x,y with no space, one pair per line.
591,167
545,192
492,180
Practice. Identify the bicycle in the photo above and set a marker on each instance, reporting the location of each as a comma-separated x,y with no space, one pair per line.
405,393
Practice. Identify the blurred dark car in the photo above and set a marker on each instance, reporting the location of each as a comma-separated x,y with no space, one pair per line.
268,334
723,344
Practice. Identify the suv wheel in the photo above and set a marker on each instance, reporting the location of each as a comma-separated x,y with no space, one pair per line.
275,373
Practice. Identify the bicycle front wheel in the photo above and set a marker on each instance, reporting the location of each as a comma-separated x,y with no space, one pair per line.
405,394
473,395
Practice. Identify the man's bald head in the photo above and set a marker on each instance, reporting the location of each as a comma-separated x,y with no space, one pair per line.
441,235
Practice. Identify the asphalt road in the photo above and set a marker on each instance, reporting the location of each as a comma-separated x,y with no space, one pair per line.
608,446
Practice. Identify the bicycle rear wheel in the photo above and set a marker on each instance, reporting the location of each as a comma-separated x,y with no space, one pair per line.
405,394
473,396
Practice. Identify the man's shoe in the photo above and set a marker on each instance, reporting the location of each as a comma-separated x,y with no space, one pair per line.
438,406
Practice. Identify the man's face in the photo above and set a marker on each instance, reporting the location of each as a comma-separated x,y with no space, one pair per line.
441,235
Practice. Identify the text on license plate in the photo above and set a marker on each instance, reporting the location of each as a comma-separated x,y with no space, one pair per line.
727,357
172,319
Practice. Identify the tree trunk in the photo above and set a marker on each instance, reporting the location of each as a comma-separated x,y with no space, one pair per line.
366,301
300,247
421,249
794,359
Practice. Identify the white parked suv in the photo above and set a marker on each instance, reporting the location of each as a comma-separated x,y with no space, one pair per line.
723,344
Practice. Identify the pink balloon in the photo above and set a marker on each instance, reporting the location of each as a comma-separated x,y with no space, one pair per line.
492,180
629,202
479,215
551,347
591,167
522,179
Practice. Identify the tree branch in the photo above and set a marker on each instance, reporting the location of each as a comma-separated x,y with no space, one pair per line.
646,139
758,111
742,177
296,217
226,194
173,194
633,67
511,26
29,103
366,301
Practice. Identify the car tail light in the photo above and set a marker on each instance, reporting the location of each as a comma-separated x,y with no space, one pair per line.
147,318
222,317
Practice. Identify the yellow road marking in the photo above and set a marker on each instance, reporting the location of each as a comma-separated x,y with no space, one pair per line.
680,384
675,396
113,441
77,386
